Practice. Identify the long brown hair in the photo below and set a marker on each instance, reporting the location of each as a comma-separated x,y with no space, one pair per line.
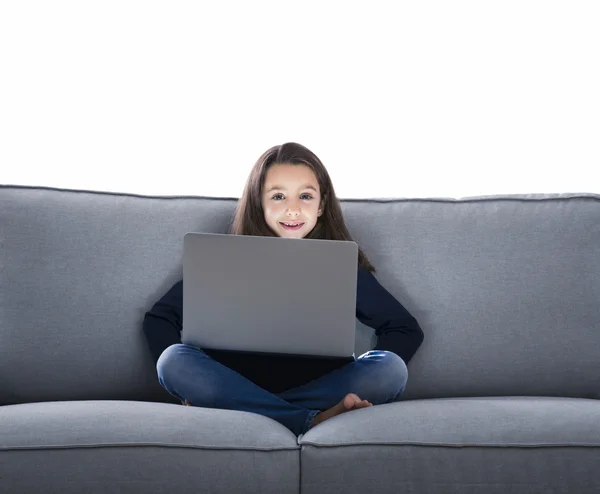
249,216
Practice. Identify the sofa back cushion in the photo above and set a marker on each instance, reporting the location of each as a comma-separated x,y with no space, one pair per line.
506,289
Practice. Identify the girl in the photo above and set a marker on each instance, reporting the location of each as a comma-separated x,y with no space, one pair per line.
289,194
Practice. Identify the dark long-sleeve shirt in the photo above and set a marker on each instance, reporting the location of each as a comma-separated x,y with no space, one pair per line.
396,329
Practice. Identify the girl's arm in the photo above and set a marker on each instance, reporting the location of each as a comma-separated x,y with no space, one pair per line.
162,323
396,329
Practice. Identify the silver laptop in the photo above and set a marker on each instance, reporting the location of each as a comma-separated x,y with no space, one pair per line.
269,294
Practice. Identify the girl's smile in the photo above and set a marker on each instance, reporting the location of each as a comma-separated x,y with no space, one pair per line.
292,226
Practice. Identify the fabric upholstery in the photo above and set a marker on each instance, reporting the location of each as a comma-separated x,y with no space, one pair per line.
132,447
505,289
453,445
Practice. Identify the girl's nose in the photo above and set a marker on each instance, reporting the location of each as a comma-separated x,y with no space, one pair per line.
293,209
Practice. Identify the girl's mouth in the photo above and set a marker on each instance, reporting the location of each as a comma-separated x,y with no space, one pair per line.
292,225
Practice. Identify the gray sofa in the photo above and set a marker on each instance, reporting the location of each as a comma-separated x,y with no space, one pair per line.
502,395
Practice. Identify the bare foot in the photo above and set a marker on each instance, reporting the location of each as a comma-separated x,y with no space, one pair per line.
350,402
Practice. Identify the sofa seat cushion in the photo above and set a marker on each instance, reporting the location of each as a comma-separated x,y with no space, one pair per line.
455,445
117,446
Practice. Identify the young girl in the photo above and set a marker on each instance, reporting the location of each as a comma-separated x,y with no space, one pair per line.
289,194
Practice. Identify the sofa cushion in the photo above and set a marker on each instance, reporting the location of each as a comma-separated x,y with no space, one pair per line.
476,445
79,270
143,447
506,289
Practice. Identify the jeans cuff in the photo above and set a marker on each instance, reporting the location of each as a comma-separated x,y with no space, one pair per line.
309,420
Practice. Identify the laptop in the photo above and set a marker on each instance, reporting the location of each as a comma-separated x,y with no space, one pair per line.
270,295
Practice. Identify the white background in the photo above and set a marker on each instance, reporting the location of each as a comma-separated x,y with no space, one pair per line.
398,99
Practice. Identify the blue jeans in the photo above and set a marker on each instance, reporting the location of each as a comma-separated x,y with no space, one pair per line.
191,375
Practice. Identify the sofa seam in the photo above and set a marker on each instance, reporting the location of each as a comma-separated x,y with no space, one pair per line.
553,196
145,445
456,445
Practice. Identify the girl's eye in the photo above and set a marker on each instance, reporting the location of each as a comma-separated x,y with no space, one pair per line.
279,197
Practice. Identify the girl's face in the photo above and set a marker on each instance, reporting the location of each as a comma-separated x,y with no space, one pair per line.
291,200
